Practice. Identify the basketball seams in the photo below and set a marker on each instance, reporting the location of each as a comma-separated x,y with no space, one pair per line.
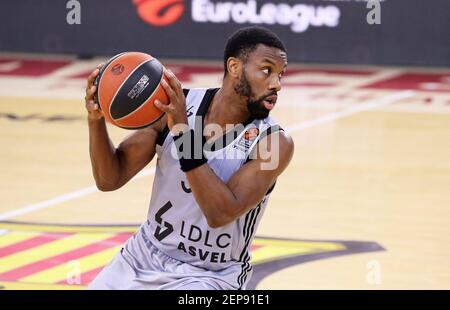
123,82
144,103
99,77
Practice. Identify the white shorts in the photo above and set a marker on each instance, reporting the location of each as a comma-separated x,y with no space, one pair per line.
141,266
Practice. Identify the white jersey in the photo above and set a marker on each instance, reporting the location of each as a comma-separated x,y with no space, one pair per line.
177,226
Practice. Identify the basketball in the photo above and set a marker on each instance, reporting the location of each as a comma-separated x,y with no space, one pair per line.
127,87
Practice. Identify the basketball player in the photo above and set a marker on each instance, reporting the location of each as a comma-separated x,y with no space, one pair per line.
205,206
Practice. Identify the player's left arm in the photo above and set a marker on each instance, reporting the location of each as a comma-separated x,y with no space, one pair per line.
222,203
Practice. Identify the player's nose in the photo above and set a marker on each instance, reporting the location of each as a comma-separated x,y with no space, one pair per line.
275,84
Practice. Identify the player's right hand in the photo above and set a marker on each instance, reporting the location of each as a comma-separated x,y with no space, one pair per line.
92,106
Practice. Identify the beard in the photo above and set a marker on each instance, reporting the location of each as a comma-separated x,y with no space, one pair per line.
256,106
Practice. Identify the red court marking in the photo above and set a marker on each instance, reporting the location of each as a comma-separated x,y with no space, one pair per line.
254,247
332,71
184,73
18,273
428,100
333,74
414,81
30,243
309,84
86,277
32,68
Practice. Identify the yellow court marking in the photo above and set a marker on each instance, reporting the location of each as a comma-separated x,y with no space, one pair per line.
277,249
326,245
67,228
38,286
50,249
61,272
12,237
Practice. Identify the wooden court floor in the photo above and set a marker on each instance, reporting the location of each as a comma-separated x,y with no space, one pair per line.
365,203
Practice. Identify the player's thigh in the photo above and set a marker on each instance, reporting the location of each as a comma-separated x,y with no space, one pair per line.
118,274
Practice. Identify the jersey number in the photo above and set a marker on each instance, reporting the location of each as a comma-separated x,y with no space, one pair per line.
168,228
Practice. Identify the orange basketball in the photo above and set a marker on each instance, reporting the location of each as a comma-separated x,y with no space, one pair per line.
127,87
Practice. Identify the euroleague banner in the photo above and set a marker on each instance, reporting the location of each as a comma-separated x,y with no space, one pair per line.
405,32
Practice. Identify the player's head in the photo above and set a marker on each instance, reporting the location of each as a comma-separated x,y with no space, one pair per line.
255,59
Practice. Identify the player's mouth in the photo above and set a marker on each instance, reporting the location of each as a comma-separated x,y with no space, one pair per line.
269,102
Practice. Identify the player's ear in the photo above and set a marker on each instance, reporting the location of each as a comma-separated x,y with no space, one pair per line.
234,66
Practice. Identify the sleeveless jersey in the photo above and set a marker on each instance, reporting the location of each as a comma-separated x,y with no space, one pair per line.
177,226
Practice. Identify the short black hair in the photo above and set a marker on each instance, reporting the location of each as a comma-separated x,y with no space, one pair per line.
245,40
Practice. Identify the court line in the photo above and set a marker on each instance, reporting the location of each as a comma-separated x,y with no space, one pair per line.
369,105
63,198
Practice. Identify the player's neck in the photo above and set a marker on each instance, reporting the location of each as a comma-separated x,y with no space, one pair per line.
227,108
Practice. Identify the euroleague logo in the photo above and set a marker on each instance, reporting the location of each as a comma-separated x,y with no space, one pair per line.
298,16
160,12
117,69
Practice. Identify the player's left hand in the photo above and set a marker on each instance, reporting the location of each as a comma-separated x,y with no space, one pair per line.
176,109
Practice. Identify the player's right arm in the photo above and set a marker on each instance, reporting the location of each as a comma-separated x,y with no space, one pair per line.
113,167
